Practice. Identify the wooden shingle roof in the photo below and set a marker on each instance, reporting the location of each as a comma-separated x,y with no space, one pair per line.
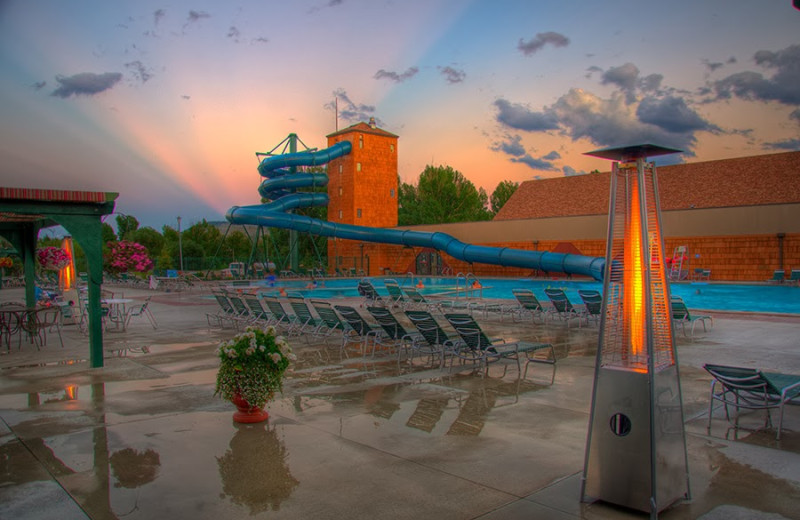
744,181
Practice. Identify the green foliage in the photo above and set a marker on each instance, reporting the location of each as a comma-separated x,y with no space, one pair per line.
149,238
442,195
107,233
501,194
126,225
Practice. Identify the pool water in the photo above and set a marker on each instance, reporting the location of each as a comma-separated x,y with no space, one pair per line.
710,296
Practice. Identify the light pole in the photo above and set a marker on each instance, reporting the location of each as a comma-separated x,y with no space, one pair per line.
180,244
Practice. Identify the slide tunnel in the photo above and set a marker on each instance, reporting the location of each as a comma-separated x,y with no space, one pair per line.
279,183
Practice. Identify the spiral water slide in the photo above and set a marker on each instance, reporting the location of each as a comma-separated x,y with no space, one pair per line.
279,183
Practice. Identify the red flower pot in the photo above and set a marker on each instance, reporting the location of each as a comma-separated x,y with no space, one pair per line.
245,413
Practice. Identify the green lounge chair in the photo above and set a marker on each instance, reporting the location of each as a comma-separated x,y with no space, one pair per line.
794,277
681,316
395,335
778,276
478,348
396,296
593,305
562,307
418,300
528,304
437,342
358,330
751,389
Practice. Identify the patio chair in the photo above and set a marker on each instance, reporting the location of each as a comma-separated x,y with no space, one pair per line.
370,294
778,276
681,316
328,315
417,300
593,305
751,389
41,321
528,304
396,296
243,315
794,276
358,330
437,342
280,318
139,311
225,314
256,308
396,336
562,307
478,348
306,322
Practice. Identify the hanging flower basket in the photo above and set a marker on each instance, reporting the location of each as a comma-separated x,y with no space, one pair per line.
128,256
52,258
6,262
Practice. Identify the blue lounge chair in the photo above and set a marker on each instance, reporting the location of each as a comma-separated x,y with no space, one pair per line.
778,276
593,305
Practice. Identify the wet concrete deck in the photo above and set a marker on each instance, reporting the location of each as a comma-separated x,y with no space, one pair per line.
355,437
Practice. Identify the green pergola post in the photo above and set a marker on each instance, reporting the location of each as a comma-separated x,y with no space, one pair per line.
87,232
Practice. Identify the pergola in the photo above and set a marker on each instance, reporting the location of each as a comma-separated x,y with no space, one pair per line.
24,211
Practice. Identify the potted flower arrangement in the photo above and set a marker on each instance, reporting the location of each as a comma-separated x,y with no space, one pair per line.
52,258
128,256
251,370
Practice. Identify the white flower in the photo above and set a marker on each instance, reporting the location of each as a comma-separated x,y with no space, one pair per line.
250,350
275,357
262,348
292,357
270,330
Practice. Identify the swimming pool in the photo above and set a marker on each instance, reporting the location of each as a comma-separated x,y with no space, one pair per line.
710,296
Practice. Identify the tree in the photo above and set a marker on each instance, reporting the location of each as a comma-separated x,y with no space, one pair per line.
502,193
149,238
441,195
126,225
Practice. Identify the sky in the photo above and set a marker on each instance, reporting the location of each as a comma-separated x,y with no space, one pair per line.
167,102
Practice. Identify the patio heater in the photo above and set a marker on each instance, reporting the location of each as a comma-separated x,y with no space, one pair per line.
636,446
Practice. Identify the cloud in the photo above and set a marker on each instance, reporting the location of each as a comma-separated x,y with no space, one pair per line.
85,84
671,114
195,16
552,156
651,83
781,87
39,85
625,77
795,115
511,146
394,76
452,75
520,117
350,111
534,45
261,39
788,144
158,15
139,71
569,171
535,163
234,33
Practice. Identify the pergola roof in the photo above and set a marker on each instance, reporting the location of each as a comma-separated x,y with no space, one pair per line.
24,205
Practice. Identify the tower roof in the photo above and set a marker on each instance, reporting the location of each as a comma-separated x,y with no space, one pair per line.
366,128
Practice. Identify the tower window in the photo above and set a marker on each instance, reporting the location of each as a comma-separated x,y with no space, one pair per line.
340,214
340,168
391,193
358,166
391,148
361,141
358,213
340,191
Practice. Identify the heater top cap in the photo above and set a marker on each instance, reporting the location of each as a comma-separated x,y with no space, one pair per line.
636,151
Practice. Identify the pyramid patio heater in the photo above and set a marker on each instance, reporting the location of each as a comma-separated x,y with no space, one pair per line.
636,445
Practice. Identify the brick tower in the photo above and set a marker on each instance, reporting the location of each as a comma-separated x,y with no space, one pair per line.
362,187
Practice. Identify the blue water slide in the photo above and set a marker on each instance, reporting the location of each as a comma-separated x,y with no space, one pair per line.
278,185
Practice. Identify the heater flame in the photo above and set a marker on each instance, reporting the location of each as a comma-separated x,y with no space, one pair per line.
633,303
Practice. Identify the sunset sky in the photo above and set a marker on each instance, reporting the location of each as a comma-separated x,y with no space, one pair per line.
167,102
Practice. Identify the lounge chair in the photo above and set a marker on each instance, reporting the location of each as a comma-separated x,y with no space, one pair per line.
359,331
528,304
794,277
280,318
778,276
751,389
681,316
256,308
593,305
418,300
562,307
396,296
370,294
437,342
396,336
328,315
225,314
478,348
305,322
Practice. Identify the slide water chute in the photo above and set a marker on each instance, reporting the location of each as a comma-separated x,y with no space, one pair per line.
279,183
